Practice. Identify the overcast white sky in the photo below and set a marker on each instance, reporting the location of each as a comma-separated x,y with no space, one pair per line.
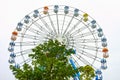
105,12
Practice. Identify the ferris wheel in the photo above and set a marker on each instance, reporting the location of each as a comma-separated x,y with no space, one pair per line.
70,26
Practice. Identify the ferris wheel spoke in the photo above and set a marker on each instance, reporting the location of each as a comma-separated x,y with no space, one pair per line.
27,43
82,59
78,30
79,40
89,55
74,27
68,25
57,23
92,48
35,31
84,41
31,30
45,23
26,61
38,25
23,52
52,23
75,61
86,34
88,47
32,37
63,23
91,31
42,29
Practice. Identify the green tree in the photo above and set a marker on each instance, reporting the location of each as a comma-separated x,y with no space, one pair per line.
87,72
49,62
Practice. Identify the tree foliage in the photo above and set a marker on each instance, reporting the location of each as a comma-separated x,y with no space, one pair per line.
49,62
87,73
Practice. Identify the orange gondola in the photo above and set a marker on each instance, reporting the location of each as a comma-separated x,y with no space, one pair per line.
15,33
105,50
46,8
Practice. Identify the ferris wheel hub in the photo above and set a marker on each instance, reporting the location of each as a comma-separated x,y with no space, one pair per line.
62,39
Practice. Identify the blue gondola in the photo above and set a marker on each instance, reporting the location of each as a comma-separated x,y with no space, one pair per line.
12,55
76,12
104,44
56,8
12,44
100,34
10,49
93,22
19,26
66,9
17,66
11,60
99,30
104,39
